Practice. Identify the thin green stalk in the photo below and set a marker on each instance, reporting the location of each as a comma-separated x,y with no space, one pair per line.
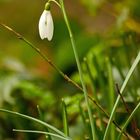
41,118
100,74
111,95
39,113
83,115
91,78
55,2
125,50
41,132
128,120
135,63
93,88
65,118
79,68
111,85
35,120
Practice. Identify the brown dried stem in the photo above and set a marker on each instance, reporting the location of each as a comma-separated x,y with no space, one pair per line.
134,124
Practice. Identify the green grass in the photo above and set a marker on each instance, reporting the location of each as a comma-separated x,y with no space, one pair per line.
87,108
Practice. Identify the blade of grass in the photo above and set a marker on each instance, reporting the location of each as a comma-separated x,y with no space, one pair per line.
100,73
135,63
65,118
108,116
128,120
41,118
82,114
40,132
111,84
40,113
35,120
111,95
79,67
93,88
91,78
116,64
125,50
84,119
133,123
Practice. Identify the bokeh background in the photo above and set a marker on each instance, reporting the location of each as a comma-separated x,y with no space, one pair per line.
102,28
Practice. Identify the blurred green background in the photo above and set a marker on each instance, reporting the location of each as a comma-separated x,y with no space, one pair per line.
102,29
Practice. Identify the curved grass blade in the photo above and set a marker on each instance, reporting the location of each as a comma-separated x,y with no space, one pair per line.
135,63
128,120
35,120
41,132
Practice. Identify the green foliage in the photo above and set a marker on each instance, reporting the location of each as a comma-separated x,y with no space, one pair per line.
29,86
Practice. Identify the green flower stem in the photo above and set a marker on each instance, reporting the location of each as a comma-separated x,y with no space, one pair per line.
79,68
55,2
135,63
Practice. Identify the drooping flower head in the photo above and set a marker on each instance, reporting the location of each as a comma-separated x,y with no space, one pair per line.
46,26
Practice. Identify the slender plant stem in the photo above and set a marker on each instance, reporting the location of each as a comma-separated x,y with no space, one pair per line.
55,2
19,36
135,63
79,68
111,95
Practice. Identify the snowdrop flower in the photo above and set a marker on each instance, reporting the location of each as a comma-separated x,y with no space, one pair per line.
46,26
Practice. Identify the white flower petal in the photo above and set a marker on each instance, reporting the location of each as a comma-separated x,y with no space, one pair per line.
42,26
50,26
46,26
